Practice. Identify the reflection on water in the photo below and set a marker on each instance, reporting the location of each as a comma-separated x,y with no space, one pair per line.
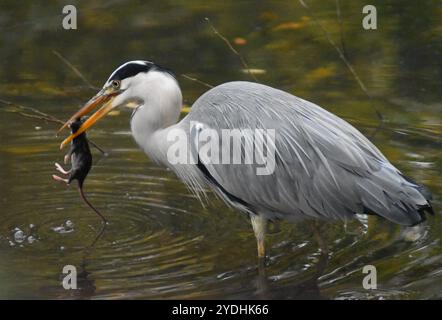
161,243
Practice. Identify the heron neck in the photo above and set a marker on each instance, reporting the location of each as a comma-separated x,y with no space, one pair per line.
156,145
151,123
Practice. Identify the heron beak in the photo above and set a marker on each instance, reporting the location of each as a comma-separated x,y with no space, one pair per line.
97,100
101,99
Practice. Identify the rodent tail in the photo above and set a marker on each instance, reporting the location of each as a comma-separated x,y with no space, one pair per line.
90,205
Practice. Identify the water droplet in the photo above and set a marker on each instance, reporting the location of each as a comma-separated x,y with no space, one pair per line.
19,236
69,224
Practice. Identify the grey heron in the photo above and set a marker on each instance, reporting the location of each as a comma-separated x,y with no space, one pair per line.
324,167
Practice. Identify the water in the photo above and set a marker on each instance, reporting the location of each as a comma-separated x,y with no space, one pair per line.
161,243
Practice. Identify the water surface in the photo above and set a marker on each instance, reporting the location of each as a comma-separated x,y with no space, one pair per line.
161,242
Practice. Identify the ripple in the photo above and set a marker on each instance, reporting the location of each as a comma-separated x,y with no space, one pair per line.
161,243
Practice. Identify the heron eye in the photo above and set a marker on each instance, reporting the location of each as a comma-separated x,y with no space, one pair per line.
115,84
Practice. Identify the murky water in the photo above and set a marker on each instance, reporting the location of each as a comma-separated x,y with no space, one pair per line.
161,243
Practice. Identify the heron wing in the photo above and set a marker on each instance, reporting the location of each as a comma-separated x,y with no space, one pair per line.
324,167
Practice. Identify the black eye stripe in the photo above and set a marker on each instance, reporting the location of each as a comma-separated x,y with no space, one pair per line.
133,68
130,70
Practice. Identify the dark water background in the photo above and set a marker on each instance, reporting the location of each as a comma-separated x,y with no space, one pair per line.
161,243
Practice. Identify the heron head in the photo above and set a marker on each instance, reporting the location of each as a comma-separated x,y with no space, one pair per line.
127,86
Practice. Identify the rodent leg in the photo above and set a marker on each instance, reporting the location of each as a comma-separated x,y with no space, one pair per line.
67,158
57,178
60,169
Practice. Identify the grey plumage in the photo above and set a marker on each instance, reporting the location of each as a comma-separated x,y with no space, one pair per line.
325,167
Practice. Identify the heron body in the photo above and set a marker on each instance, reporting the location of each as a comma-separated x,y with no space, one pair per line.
324,167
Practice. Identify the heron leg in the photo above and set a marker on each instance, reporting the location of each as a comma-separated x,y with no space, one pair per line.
314,226
262,284
259,224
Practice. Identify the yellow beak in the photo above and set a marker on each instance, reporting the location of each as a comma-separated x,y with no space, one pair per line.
101,99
